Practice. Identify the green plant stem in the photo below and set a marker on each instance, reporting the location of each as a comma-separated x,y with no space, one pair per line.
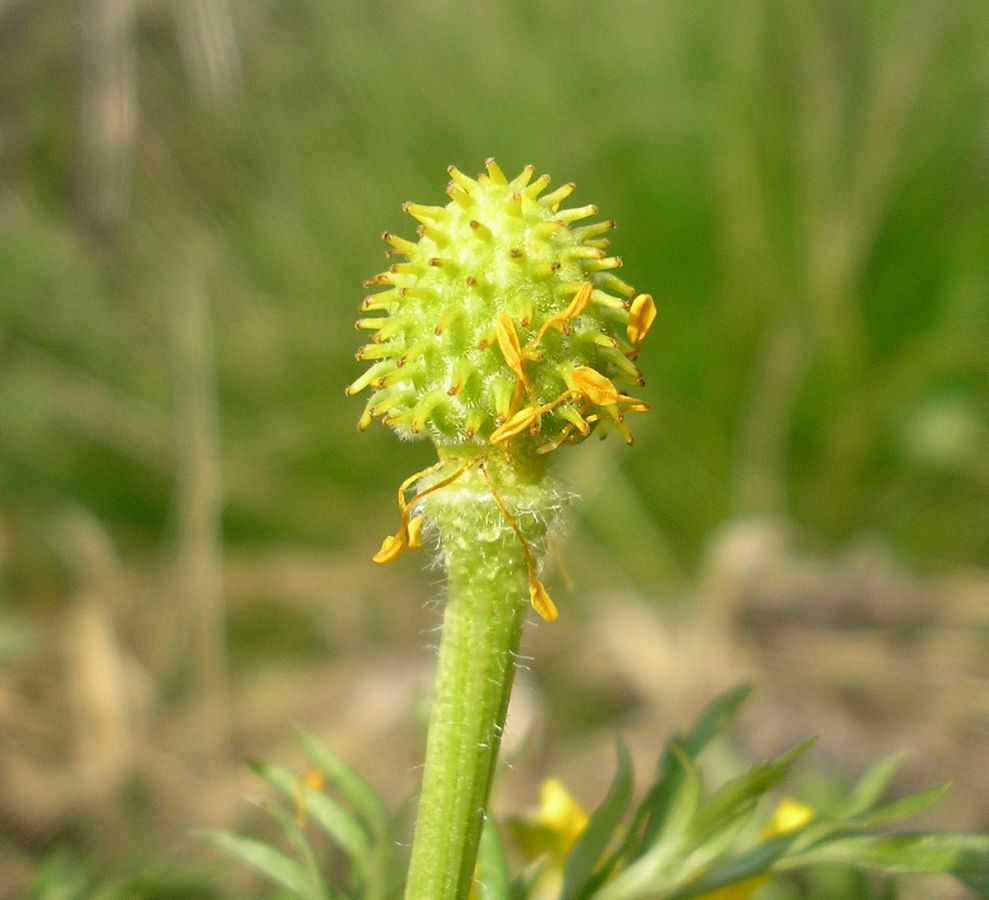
486,607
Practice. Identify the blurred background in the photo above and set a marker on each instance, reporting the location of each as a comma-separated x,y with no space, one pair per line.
191,192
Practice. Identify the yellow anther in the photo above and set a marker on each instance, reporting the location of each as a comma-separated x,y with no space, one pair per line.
391,546
521,421
579,302
641,315
415,532
408,535
593,385
538,595
511,350
508,343
574,308
541,601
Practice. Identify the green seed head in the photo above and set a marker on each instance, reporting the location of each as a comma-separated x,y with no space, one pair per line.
503,323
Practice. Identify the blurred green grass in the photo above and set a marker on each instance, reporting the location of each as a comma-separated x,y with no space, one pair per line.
803,187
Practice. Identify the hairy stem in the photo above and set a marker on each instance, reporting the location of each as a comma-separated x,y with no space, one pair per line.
487,601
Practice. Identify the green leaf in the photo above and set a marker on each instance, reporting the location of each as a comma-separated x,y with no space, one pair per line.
903,808
298,838
738,796
869,788
354,788
754,862
964,855
601,827
658,802
270,862
712,831
330,816
683,801
653,867
493,880
715,718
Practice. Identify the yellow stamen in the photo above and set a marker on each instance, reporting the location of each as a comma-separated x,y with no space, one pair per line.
641,315
415,532
391,547
518,423
511,350
576,306
508,343
594,386
538,595
540,600
407,535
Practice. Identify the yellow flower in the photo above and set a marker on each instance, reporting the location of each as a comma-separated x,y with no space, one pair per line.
560,814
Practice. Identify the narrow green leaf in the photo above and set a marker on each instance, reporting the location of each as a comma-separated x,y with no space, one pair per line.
739,795
493,880
964,855
354,788
601,827
664,798
270,862
335,821
298,838
752,863
869,788
715,718
653,867
286,783
902,808
657,803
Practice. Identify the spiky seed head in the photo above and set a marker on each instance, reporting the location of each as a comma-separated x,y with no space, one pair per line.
503,322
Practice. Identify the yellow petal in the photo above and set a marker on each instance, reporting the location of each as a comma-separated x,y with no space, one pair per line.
541,601
560,813
789,815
